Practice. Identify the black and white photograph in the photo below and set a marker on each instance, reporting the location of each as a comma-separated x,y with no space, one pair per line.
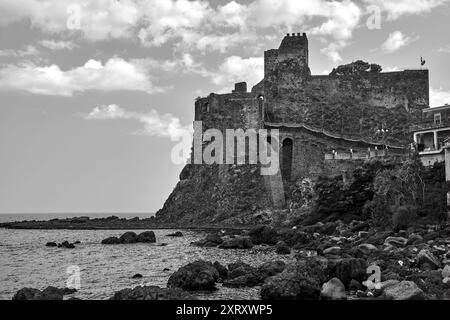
223,156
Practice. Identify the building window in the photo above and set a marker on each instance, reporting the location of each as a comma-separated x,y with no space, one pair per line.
437,119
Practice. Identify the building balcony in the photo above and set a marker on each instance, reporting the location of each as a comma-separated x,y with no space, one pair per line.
429,126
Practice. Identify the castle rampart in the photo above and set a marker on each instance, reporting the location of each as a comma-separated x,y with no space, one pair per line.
354,101
328,124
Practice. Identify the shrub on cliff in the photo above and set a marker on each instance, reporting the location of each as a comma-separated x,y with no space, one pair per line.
378,211
404,217
394,190
356,67
302,194
435,200
345,201
405,193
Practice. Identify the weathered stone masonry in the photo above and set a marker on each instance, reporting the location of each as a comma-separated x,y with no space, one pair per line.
316,115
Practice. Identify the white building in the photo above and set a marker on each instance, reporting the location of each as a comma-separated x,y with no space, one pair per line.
430,135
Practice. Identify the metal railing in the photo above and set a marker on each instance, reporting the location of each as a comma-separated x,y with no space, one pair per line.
428,126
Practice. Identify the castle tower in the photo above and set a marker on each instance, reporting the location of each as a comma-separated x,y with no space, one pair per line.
286,70
294,47
293,51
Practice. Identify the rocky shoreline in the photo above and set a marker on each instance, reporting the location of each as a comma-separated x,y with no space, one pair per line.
335,260
109,223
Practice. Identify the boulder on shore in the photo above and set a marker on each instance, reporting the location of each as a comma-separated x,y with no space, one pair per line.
128,237
176,234
335,251
367,249
283,248
67,245
223,271
301,281
264,235
131,237
198,275
426,260
111,240
333,290
152,293
243,275
28,294
49,293
211,240
405,290
146,237
237,243
350,269
51,244
271,268
395,241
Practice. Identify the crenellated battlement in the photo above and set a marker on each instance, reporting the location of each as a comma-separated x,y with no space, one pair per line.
298,34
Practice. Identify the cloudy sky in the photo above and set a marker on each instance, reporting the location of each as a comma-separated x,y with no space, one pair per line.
94,94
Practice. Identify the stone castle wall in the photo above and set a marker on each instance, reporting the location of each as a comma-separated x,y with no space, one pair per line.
310,150
316,116
352,103
221,193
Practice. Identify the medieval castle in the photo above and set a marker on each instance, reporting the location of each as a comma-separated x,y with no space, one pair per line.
327,123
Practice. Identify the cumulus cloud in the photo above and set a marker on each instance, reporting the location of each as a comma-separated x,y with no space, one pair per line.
332,51
398,8
99,20
342,19
444,49
166,20
165,125
236,69
20,53
58,45
205,26
391,69
395,41
439,97
115,74
196,23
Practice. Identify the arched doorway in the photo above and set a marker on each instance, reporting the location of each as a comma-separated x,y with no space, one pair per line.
286,159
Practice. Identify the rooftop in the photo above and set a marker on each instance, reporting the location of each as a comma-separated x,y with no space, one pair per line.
432,109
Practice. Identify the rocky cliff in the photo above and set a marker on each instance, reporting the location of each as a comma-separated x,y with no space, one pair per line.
217,195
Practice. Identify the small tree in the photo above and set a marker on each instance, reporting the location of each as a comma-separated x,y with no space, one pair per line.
398,194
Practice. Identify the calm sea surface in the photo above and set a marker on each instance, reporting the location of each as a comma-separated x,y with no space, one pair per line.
27,262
